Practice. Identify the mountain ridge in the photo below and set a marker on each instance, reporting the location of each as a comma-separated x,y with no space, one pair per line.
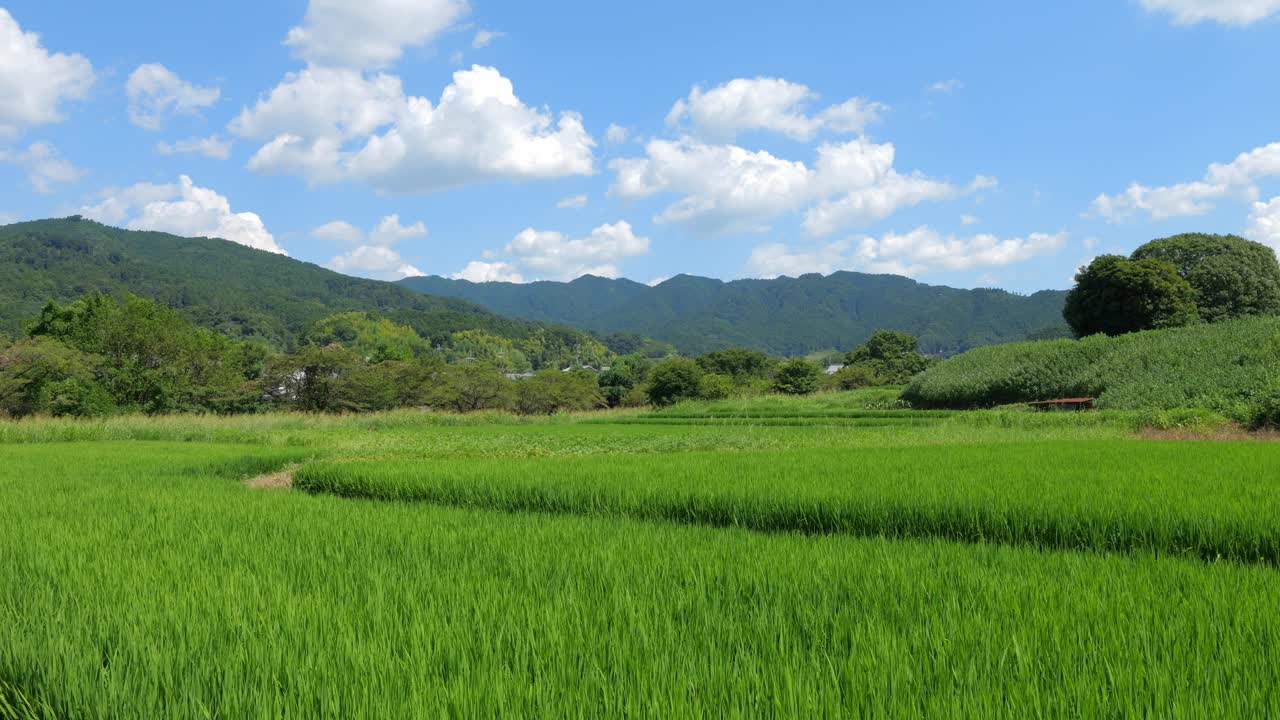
784,315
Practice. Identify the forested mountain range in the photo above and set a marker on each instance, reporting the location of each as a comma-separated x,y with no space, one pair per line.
783,316
242,292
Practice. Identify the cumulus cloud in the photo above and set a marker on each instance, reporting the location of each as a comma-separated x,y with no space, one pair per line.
768,104
369,34
1227,12
969,220
372,261
1237,178
327,125
45,166
727,188
373,256
485,38
181,209
34,82
616,133
211,147
479,271
155,91
575,201
551,255
919,251
1264,223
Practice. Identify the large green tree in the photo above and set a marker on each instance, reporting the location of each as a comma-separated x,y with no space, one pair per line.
797,376
1232,277
673,380
888,357
1116,295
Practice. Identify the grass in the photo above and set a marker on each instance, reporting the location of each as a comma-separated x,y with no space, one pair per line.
1211,502
1232,368
589,567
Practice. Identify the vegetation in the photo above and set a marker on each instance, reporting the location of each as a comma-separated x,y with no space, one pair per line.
1175,281
797,376
185,594
785,316
1232,368
1232,277
1115,295
237,291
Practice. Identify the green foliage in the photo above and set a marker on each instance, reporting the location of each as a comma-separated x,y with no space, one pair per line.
1116,295
673,380
796,376
714,386
232,289
1232,277
470,386
740,364
376,338
887,358
625,375
1226,367
784,316
41,375
552,391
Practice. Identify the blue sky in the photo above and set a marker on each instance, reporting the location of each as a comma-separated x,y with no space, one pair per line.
969,144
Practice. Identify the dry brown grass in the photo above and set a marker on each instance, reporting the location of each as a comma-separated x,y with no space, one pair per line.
280,480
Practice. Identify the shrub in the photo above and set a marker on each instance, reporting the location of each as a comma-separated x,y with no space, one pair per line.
797,376
673,380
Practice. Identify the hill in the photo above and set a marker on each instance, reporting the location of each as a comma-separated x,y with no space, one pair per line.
242,292
786,316
1227,367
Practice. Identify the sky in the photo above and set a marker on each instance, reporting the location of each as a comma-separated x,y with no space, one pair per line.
989,143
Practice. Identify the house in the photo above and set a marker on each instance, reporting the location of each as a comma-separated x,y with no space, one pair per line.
833,369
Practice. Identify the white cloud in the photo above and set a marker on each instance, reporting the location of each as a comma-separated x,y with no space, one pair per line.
616,134
374,261
155,91
969,220
8,218
325,126
479,272
484,38
1236,178
551,255
212,147
919,251
946,87
768,104
183,209
1227,12
575,201
658,280
1264,223
727,188
367,34
373,256
45,166
34,82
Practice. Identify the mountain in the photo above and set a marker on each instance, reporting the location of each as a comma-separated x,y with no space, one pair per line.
237,290
785,316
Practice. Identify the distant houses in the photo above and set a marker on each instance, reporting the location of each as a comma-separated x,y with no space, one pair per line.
833,369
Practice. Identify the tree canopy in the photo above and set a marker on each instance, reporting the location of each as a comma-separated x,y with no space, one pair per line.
1231,276
1115,295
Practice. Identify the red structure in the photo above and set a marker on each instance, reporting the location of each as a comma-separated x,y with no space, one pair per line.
1064,404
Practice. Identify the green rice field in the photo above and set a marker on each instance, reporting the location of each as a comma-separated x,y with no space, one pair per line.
766,558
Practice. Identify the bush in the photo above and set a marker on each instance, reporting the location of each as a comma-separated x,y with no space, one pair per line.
797,376
1229,368
673,380
714,386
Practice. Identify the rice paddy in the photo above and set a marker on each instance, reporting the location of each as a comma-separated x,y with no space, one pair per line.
956,565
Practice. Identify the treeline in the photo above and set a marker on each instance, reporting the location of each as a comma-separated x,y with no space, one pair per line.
104,355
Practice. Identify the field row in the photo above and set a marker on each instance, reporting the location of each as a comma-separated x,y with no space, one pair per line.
152,584
1204,500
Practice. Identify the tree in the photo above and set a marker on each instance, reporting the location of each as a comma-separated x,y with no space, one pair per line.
470,386
626,373
552,391
797,376
738,363
673,380
377,339
1116,295
1232,277
890,357
42,375
714,386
